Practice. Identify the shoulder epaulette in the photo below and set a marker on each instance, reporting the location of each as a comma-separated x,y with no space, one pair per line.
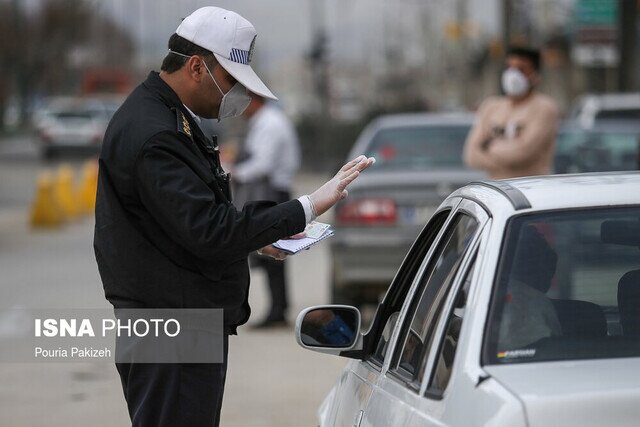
183,124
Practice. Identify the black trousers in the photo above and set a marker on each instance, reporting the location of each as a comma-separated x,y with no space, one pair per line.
172,394
276,276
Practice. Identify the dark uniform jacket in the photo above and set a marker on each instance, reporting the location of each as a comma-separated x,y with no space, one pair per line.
166,235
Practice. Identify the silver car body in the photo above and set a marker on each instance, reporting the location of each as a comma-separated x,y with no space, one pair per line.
584,393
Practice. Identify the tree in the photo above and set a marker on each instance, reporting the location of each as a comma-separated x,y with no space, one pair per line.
47,51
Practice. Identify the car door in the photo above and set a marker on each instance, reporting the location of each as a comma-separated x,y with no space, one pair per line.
398,395
350,396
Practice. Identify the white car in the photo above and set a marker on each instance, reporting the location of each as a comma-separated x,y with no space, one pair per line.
590,110
74,124
518,305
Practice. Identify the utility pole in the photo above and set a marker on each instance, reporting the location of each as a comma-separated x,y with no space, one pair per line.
507,12
318,55
20,68
628,49
462,18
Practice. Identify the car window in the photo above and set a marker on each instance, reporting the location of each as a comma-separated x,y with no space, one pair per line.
418,147
387,314
568,287
619,114
433,288
449,342
594,151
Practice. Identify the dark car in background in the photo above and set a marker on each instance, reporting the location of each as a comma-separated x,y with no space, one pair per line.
418,163
610,146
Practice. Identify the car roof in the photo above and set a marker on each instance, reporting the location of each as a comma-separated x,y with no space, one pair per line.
421,119
408,120
561,191
613,100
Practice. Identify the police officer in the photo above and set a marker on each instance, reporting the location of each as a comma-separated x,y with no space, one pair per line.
166,233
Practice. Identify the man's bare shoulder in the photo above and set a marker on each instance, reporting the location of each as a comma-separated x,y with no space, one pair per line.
490,104
546,103
492,101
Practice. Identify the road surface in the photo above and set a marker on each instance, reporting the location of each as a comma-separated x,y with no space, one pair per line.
271,381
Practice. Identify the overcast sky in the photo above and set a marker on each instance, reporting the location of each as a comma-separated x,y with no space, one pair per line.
284,27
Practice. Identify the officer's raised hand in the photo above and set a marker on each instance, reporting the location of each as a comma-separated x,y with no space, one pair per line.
326,196
334,190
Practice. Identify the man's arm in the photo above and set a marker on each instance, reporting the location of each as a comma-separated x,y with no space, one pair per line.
187,210
536,137
476,147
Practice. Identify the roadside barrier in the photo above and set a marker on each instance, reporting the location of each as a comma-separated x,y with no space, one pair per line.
86,190
59,199
64,192
45,211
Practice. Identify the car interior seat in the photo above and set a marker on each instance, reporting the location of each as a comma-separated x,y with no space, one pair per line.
626,233
580,318
629,303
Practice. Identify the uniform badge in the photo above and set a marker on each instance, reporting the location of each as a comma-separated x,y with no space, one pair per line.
183,124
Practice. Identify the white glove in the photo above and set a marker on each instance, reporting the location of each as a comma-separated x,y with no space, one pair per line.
334,190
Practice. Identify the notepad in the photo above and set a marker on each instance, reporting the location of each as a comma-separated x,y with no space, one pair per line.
293,246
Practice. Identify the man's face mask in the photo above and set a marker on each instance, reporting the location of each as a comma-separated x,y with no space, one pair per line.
514,82
233,102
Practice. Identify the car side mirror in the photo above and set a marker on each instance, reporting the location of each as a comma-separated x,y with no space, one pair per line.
329,328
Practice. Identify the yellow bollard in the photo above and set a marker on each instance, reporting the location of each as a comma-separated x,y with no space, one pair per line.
45,211
64,194
86,191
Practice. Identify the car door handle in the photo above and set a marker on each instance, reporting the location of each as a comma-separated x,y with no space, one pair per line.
358,419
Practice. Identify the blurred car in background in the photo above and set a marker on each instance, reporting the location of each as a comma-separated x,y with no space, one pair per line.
74,124
507,311
418,163
589,110
610,146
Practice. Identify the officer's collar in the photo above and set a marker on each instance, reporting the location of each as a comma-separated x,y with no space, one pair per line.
193,115
168,95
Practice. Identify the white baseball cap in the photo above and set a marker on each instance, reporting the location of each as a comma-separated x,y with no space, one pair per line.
231,38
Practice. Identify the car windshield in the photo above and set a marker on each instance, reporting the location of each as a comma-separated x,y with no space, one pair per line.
597,151
619,114
419,147
568,287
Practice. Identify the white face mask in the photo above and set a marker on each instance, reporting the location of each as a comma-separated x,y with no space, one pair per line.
233,102
514,82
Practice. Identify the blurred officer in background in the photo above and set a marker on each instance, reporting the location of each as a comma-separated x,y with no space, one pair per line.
264,170
515,135
166,233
